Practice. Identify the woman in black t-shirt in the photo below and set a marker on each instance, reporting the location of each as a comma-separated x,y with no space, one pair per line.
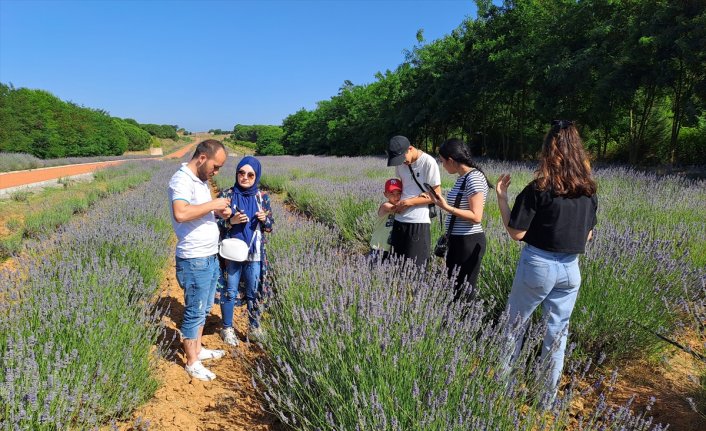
555,216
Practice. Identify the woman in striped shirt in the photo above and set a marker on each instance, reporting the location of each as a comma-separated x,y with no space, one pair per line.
466,239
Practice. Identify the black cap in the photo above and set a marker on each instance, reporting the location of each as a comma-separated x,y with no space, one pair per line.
396,150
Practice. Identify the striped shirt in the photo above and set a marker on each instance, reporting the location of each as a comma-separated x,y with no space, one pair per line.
476,184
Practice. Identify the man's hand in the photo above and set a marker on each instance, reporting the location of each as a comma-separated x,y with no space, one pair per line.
220,204
224,214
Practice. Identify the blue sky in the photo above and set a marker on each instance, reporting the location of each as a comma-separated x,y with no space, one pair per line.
210,64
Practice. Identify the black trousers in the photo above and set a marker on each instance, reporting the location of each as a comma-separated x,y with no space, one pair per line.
412,240
465,254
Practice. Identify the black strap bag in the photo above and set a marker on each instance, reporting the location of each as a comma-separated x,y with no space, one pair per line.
433,211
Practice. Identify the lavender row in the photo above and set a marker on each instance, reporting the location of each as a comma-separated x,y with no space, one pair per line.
55,207
354,344
78,320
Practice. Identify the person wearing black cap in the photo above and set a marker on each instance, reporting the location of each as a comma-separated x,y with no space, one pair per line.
411,230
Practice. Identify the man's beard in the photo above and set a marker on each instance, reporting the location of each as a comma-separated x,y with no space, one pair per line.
201,172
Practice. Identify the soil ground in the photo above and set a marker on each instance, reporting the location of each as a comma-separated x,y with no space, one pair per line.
183,403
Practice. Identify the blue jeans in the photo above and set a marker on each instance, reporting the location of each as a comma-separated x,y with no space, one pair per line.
250,272
553,280
197,276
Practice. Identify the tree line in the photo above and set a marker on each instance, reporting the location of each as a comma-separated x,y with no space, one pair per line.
266,140
630,72
39,123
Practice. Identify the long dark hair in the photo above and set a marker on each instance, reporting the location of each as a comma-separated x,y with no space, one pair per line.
564,167
458,151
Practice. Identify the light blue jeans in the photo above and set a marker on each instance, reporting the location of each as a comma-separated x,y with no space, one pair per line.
250,273
197,276
553,280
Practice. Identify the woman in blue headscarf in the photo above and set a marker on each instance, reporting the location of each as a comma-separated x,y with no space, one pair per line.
252,215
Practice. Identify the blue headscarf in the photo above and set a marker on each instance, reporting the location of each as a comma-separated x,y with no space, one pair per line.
245,199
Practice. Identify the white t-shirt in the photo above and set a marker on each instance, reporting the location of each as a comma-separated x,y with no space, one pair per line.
427,171
196,238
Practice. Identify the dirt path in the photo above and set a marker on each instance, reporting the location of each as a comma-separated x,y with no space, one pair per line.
181,152
20,178
182,403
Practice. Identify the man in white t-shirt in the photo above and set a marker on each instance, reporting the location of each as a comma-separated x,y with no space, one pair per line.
197,267
411,230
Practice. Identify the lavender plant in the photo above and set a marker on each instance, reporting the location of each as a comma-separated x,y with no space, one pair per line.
78,320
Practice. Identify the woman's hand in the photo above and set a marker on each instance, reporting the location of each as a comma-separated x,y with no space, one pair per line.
261,215
239,217
501,186
438,200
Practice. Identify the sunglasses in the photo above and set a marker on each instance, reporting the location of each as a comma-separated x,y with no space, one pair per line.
250,175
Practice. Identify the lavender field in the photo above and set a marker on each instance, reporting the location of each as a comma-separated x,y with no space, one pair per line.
645,269
354,345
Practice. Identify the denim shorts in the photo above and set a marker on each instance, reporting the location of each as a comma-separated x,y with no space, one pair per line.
198,277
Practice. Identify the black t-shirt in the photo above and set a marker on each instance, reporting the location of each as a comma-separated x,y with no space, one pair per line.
554,223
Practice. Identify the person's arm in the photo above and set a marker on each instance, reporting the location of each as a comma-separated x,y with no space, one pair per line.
476,203
594,201
184,211
433,177
501,192
422,199
385,209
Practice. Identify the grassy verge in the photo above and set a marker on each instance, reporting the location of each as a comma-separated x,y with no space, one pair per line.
36,215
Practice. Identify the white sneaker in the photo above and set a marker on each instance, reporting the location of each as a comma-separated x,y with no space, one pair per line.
228,335
198,371
206,354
